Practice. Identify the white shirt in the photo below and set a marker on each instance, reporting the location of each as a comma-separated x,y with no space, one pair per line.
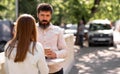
53,37
32,64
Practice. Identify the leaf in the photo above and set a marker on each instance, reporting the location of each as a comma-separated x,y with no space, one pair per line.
2,8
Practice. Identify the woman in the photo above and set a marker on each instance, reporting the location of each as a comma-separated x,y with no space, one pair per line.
24,55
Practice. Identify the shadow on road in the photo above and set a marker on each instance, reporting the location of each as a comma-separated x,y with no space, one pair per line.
96,60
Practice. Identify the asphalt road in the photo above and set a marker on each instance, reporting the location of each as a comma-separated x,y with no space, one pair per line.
96,60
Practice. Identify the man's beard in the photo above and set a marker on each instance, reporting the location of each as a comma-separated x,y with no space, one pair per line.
44,26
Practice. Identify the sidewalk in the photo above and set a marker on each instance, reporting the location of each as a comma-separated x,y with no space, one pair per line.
96,60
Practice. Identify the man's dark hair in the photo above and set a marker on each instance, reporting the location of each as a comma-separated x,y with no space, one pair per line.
44,7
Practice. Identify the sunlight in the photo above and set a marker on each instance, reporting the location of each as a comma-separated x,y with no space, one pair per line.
115,71
99,59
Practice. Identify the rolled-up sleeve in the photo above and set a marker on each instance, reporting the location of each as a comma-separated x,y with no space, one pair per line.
62,53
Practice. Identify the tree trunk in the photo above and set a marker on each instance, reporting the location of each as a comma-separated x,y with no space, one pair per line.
95,6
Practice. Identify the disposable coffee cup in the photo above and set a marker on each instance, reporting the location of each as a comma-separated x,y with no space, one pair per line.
46,49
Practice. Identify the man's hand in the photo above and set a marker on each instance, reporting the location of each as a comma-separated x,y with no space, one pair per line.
50,54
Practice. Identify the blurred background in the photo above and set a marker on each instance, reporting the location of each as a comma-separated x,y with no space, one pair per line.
98,16
65,11
67,14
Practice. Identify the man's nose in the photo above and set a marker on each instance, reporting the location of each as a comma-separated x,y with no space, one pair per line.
45,17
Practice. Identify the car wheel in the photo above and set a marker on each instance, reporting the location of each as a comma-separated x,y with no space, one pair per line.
90,44
112,44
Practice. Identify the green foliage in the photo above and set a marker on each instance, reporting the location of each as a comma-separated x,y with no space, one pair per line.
27,6
65,11
108,9
7,9
2,8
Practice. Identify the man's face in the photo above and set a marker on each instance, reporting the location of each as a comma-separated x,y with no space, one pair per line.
44,17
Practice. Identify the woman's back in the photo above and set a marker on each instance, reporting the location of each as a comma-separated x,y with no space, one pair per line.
32,63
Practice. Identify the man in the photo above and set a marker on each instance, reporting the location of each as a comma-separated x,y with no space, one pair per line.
51,36
81,28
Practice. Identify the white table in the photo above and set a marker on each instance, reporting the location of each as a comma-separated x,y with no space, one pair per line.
2,60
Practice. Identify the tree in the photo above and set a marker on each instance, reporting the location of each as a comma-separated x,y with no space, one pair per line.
108,10
27,6
2,8
66,11
7,9
95,6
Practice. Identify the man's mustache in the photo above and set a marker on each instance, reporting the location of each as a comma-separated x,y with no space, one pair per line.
44,21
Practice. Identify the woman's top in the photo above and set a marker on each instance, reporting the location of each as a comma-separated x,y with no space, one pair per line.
33,64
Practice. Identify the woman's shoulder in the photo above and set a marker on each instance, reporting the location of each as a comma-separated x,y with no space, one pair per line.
38,44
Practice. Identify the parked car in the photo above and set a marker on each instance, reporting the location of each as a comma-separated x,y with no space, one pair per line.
100,32
6,28
71,29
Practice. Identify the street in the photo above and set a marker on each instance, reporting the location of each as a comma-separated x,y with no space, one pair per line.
96,60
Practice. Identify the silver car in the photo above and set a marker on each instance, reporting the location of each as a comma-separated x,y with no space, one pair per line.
100,32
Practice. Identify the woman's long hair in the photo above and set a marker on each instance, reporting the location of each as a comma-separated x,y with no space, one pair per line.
24,35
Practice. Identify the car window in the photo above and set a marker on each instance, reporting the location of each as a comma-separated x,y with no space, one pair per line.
94,27
73,27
